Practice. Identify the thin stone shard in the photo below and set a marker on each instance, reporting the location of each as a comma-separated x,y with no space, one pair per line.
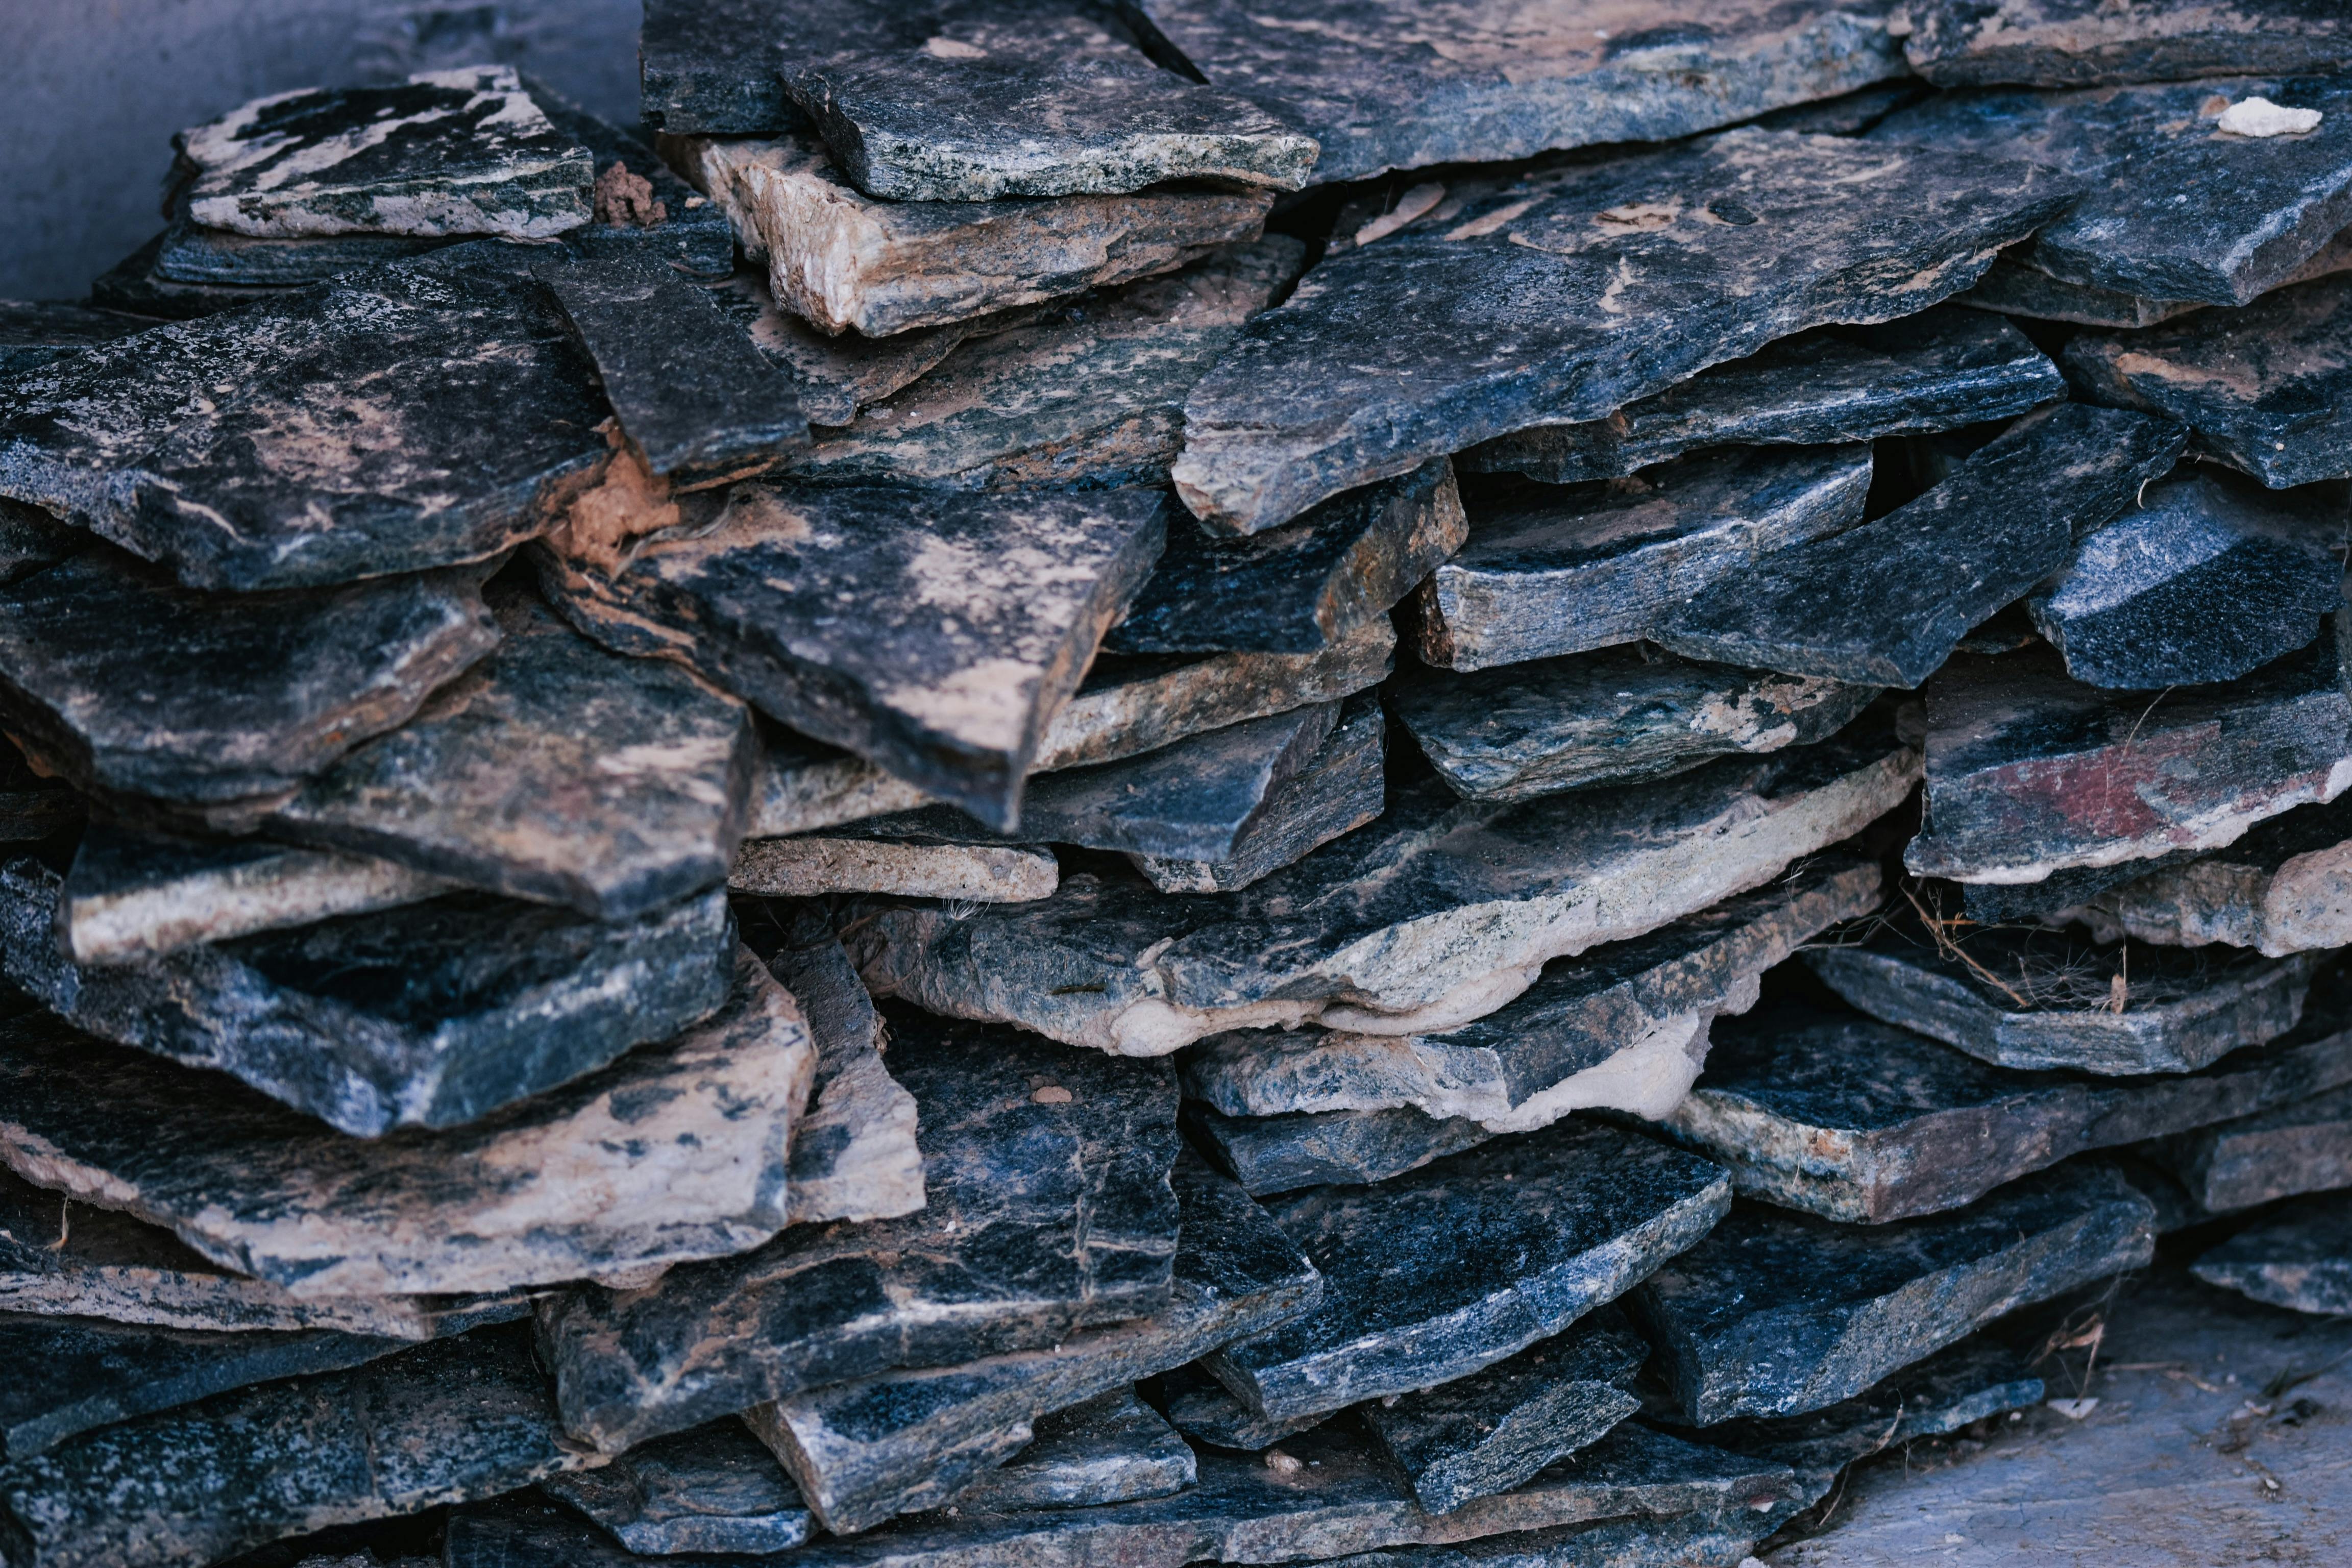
2083,43
912,866
2284,887
1270,1154
2298,1147
1112,1448
2014,288
1343,786
2300,1257
714,1488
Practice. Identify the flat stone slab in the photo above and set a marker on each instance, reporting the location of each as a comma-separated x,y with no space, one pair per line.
1940,370
1609,716
2299,1257
658,219
674,1153
1554,570
913,868
2261,207
1859,1121
1269,1155
2261,388
444,152
2301,1147
1776,1314
843,262
979,614
2080,43
431,1014
1205,1410
834,377
2015,289
715,1488
35,330
2284,887
365,433
1444,1271
1887,601
1438,914
1565,296
866,1450
1049,1211
2031,772
1112,1448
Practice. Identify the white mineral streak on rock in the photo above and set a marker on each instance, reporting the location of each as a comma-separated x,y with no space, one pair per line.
810,868
2260,117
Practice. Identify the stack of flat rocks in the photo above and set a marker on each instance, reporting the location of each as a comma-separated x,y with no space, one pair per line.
1073,784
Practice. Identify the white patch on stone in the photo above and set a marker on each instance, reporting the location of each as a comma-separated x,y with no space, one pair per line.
2260,117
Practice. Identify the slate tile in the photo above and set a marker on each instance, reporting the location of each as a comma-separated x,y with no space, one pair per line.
1282,1154
1778,1313
1567,295
192,254
2299,1257
911,867
132,287
2079,43
2284,887
2013,288
35,330
667,222
1205,1410
2302,1146
1046,1214
714,1488
1112,1448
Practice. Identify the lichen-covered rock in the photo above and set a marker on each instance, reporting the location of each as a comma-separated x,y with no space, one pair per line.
2086,43
714,1488
2286,887
2300,1257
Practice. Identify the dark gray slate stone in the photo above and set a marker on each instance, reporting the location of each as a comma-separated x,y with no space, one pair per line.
1576,290
1553,570
1439,912
428,1015
1855,1120
1609,716
2031,772
664,222
905,865
2084,43
30,538
1451,1269
1049,1211
1778,1313
444,1423
2013,288
714,1488
127,683
2299,1257
195,255
2286,887
1112,1448
34,331
1205,1410
1489,1432
2303,1146
1936,371
2264,388
2175,209
1674,1542
1302,587
2208,578
1268,1155
674,1153
865,1450
132,287
1886,603
978,614
365,433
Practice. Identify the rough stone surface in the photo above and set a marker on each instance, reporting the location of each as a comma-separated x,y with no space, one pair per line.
2300,1257
431,1014
2015,289
834,377
2302,1146
2083,43
1937,371
1202,1408
1887,602
1268,1155
714,1488
1111,1448
2286,887
1565,296
371,429
1554,570
1438,914
665,222
1778,1313
33,331
909,867
1449,1269
1046,1214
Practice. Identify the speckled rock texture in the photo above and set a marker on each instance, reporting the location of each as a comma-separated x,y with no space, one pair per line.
834,376
33,331
2083,43
2284,887
2303,1146
715,1488
1282,1154
913,867
2299,1257
1205,1409
1110,1448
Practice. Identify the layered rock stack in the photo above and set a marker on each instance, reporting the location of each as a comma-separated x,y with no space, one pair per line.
1155,784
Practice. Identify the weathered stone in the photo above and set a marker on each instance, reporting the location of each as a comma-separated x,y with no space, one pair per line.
1112,1448
1269,1155
1565,296
1676,1543
665,220
2083,43
2286,887
30,539
127,683
1049,1211
912,866
2029,772
132,287
865,1450
1486,1433
1887,601
978,614
2015,289
1089,396
431,1014
34,331
678,1151
1440,912
2300,1257
1449,1269
843,262
2261,388
2303,1146
461,152
368,430
1855,1120
1776,1313
1205,1409
1937,371
714,1488
1560,570
2175,207
444,1423
192,254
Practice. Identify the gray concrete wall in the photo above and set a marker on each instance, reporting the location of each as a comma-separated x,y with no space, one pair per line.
92,91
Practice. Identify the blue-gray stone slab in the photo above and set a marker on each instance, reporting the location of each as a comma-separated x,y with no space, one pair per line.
2302,1145
1282,1154
2088,43
2298,1257
1112,1448
2286,887
34,330
716,1489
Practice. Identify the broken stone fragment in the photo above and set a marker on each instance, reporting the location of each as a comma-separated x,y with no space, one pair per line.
1112,1448
2299,1147
1202,1408
1454,1266
1439,912
1936,371
911,867
1553,570
1776,1313
2081,42
366,432
2286,887
1887,601
1571,293
33,331
1049,1210
1269,1155
714,1488
2013,288
1858,1122
979,614
446,152
2299,1257
431,1014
